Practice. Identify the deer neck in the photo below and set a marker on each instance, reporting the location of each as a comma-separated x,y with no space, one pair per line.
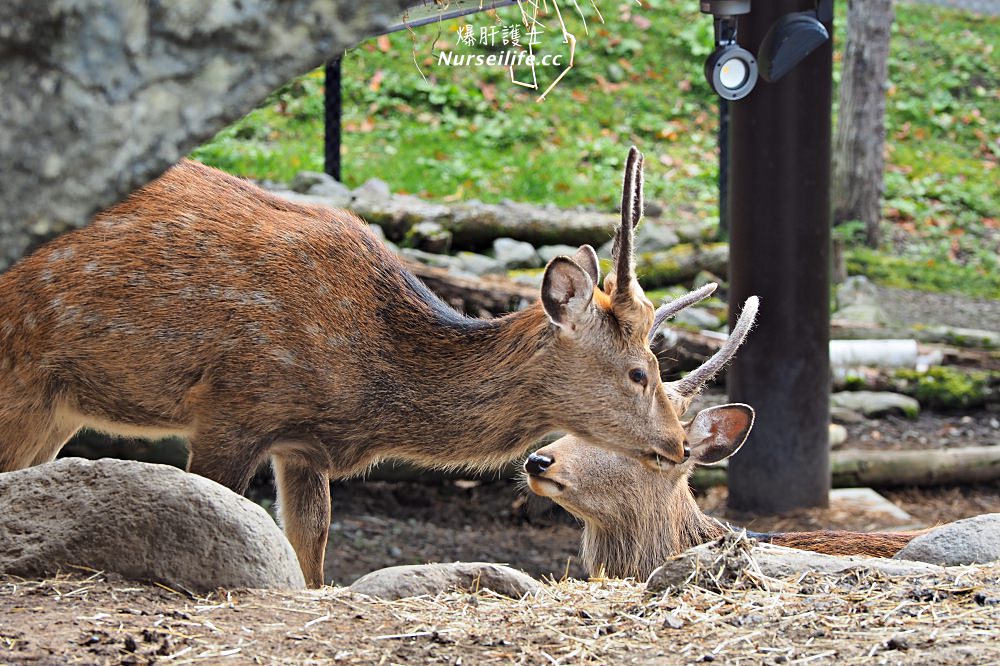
660,527
467,392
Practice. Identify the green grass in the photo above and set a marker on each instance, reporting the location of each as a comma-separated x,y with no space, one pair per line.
468,133
924,274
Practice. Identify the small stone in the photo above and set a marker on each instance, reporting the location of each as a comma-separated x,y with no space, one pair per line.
529,279
844,415
858,301
706,277
671,621
479,264
653,209
604,252
378,231
897,643
696,317
874,404
615,73
969,541
429,237
338,194
432,579
655,237
515,254
838,435
431,259
549,252
856,290
304,181
373,189
862,314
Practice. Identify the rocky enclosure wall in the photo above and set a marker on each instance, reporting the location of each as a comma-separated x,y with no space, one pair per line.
100,96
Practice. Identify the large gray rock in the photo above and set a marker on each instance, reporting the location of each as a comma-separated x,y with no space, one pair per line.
101,96
723,561
145,522
875,403
432,579
970,541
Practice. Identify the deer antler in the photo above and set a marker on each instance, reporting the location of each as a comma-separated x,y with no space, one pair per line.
622,258
684,390
668,310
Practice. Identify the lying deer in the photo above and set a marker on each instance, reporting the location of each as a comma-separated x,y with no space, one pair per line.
204,307
635,517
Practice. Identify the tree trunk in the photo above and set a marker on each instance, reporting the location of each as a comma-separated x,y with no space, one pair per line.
858,159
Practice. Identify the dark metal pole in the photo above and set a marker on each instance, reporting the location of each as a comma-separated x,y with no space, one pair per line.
723,169
332,117
779,214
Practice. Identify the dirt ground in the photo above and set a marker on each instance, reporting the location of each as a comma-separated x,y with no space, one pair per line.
930,430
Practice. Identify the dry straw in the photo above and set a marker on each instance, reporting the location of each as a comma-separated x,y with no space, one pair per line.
730,613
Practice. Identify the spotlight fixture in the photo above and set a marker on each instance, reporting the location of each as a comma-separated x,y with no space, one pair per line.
731,70
792,38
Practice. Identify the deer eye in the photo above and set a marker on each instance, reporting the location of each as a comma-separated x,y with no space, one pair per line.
638,375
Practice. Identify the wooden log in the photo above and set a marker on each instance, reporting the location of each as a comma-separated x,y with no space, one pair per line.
974,464
680,350
885,469
487,296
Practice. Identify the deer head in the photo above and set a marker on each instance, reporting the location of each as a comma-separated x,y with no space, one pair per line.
626,407
571,469
635,517
614,492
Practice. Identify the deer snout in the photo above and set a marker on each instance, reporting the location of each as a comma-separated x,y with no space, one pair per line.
665,451
537,464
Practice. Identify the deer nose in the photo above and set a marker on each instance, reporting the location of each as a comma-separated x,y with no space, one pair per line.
537,464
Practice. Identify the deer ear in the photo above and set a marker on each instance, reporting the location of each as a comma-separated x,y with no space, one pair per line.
716,433
586,258
567,291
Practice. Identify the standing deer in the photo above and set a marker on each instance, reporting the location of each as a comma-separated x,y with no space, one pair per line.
636,517
204,307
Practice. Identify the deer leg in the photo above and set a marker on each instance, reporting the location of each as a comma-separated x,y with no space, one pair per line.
225,456
52,443
304,511
30,432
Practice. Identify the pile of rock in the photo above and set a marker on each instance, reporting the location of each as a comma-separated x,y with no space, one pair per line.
472,239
